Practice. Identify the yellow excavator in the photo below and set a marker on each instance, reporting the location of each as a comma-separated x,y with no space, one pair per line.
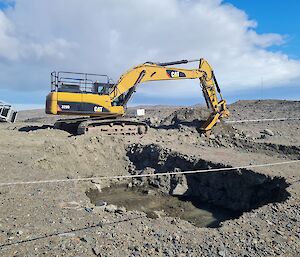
104,102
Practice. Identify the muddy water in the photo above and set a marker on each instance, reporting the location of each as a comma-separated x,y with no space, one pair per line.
156,204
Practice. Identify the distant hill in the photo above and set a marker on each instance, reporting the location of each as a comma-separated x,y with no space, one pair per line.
241,109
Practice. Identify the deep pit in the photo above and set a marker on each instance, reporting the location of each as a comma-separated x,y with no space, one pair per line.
204,199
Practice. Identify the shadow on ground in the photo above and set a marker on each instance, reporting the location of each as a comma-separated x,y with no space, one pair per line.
35,128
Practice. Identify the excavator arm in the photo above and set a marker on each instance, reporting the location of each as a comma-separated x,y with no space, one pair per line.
125,87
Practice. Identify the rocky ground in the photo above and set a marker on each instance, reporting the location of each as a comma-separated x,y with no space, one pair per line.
58,219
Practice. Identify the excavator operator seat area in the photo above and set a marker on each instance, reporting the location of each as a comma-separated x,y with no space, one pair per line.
75,82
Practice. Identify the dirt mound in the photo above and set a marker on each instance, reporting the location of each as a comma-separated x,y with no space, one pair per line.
191,119
185,115
49,154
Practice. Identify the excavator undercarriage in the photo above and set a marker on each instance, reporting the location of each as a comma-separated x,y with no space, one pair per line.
102,126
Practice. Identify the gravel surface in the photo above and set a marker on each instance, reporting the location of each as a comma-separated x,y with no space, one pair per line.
58,219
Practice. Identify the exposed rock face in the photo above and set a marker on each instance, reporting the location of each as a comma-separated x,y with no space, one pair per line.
181,188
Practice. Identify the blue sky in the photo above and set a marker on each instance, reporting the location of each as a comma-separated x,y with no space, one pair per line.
243,54
275,16
5,4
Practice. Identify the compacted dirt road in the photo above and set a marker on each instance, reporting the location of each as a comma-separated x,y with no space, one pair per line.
64,218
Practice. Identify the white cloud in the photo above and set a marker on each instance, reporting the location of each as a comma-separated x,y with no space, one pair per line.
8,43
101,36
19,48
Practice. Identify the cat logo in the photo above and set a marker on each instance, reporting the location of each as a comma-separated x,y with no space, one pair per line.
175,74
98,109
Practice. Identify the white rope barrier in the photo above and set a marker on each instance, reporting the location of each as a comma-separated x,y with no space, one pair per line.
259,120
147,175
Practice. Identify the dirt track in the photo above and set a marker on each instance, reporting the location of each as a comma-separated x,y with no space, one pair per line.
59,219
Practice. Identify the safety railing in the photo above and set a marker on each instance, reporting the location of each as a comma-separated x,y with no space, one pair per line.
76,82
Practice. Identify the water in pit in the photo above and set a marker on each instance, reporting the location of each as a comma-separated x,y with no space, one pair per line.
155,204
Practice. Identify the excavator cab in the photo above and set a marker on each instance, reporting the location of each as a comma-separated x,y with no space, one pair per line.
74,93
101,88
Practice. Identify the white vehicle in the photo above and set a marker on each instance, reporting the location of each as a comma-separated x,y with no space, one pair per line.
7,114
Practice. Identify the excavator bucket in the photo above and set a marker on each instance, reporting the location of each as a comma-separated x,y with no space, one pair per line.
215,117
210,122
